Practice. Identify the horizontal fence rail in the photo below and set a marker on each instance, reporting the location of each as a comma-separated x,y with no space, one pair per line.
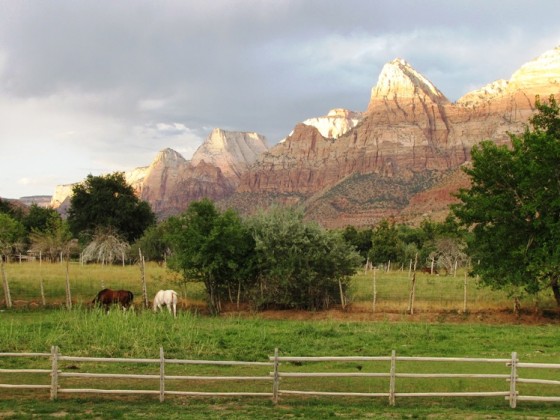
286,368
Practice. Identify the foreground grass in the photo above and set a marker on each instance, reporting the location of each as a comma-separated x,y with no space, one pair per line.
253,338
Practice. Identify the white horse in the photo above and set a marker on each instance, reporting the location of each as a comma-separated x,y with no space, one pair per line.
167,298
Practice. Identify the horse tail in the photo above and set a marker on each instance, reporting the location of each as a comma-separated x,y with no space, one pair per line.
155,302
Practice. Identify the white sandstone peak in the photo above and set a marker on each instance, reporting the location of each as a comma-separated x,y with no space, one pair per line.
231,151
542,71
337,122
398,79
478,96
61,194
534,78
169,157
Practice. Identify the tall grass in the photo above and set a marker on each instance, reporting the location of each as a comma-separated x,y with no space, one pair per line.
251,337
84,331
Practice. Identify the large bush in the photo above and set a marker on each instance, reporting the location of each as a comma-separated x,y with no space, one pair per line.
299,264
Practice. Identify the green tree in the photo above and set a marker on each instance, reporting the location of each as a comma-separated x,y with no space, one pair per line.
108,201
361,239
153,243
11,209
12,233
513,207
300,265
212,247
40,219
386,245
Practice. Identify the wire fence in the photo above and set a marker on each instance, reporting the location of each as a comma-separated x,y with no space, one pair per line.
31,284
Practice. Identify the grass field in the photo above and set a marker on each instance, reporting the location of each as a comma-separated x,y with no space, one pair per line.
432,293
253,337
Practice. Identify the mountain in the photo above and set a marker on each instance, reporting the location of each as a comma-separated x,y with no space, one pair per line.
336,123
230,151
40,200
400,158
171,182
407,148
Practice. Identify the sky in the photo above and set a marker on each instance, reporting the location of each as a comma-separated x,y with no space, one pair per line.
93,87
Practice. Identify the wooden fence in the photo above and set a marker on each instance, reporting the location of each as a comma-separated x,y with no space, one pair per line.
277,372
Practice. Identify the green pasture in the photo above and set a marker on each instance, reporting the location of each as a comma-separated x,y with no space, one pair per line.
87,332
392,289
248,336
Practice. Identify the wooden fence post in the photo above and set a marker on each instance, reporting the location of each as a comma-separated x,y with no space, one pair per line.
68,293
342,299
432,267
161,375
43,300
374,291
276,380
143,275
392,378
7,296
513,381
465,294
412,294
54,372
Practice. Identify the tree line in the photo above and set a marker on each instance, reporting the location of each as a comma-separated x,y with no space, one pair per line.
505,228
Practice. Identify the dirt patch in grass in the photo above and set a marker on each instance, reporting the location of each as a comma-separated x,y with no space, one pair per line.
362,313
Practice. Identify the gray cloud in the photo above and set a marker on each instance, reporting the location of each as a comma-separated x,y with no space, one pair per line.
89,86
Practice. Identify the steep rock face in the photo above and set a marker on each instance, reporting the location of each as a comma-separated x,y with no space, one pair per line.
230,151
404,129
336,123
61,195
410,134
172,182
398,81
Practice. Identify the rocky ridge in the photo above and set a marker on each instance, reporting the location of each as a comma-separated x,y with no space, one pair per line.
399,158
170,182
410,139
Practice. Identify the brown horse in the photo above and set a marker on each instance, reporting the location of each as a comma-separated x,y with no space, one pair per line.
108,297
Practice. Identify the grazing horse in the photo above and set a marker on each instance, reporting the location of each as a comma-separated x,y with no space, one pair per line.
108,297
167,298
